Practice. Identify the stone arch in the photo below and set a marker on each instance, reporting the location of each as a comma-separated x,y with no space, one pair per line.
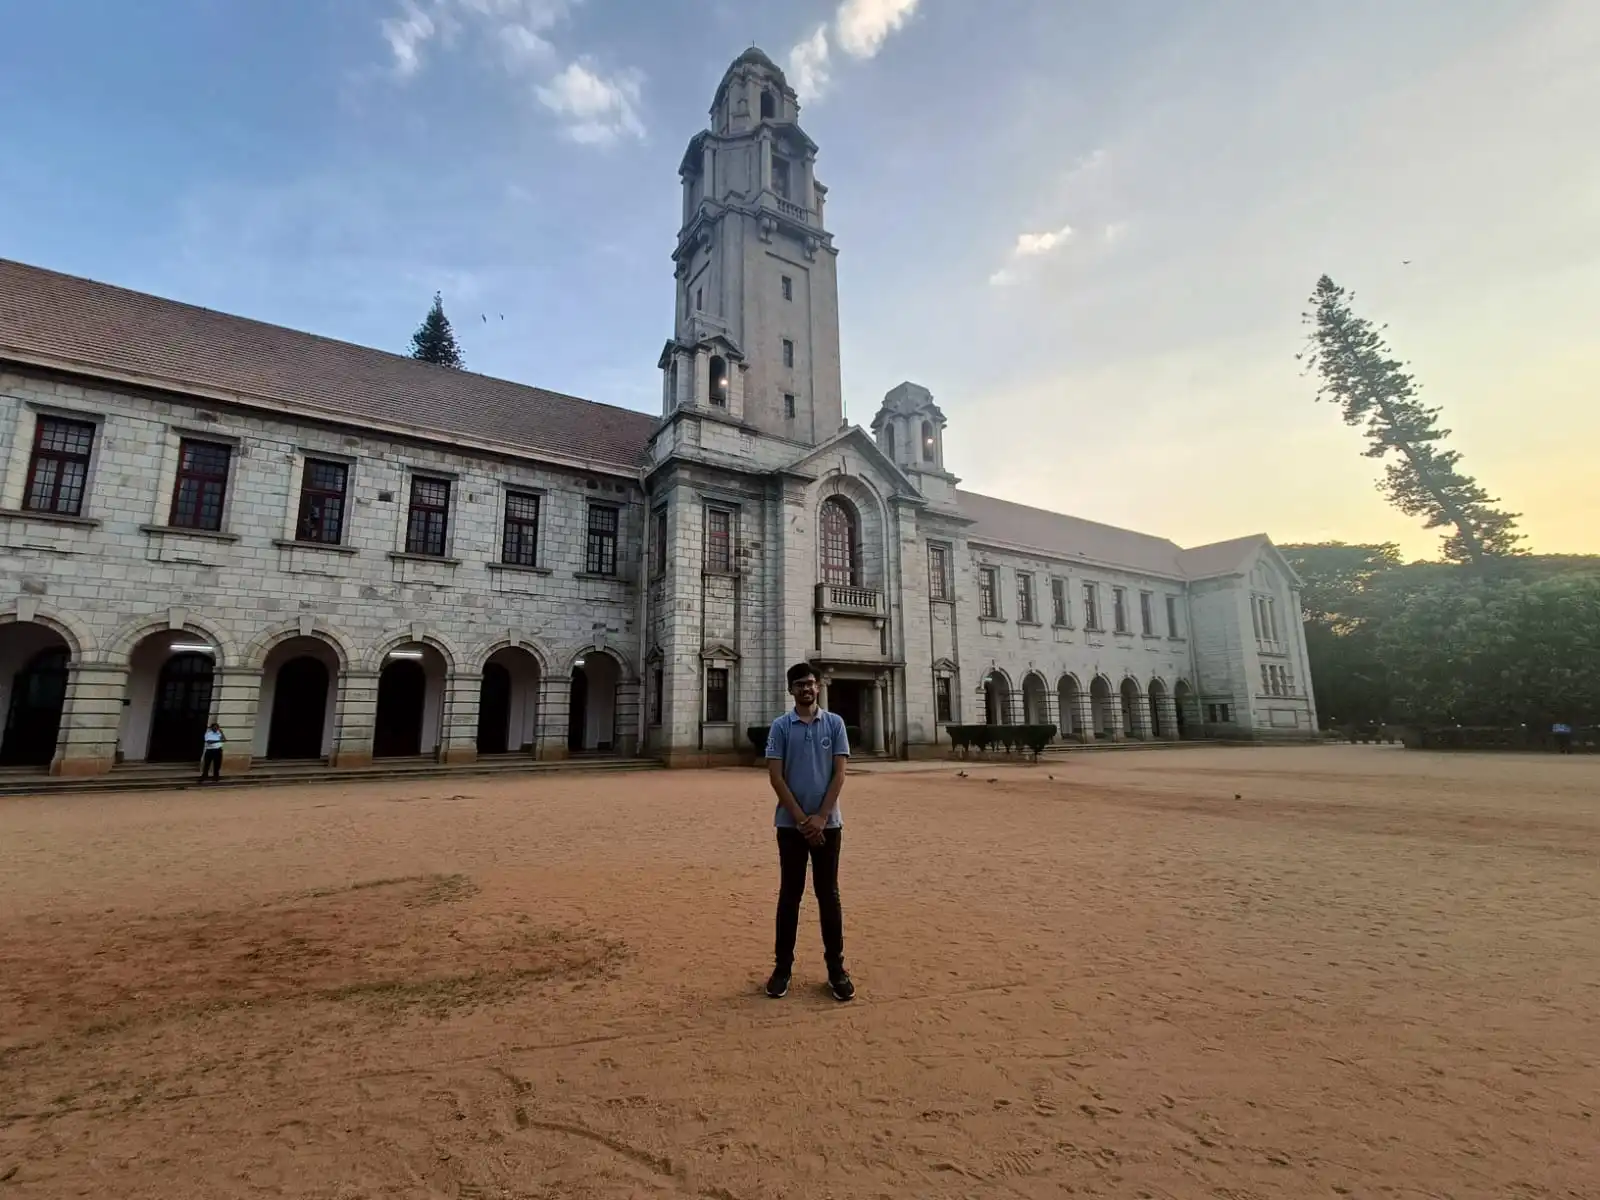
872,524
1103,711
996,690
80,641
597,676
375,655
1186,710
1035,699
255,654
624,667
1070,704
1135,719
136,630
478,657
1158,699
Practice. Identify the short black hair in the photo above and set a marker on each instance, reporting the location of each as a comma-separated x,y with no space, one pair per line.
799,671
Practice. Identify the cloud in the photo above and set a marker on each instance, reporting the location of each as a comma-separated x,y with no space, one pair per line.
597,110
864,25
860,27
406,34
808,63
1029,246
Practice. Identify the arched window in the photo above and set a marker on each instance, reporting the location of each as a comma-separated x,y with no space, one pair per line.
769,106
888,440
841,551
719,381
928,444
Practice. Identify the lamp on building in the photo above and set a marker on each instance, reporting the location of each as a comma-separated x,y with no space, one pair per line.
405,654
191,648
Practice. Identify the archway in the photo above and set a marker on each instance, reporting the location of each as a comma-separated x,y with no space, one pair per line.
1182,698
508,702
299,709
34,661
1132,717
592,716
1100,707
1035,700
1157,693
182,708
410,702
1068,698
996,699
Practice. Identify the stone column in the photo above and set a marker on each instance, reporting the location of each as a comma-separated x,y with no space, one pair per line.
458,740
1115,731
877,716
1141,716
355,719
627,718
1083,715
1167,710
90,719
234,701
822,690
555,703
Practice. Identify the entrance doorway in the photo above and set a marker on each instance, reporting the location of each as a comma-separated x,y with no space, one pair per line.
299,709
847,700
402,695
578,710
494,710
592,715
183,705
33,718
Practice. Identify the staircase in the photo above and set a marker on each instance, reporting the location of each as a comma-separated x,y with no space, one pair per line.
140,776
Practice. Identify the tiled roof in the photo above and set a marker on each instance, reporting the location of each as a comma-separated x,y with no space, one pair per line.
49,318
1060,536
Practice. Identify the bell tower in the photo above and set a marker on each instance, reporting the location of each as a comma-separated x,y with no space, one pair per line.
756,333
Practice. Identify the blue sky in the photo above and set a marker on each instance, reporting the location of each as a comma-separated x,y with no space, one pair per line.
1089,227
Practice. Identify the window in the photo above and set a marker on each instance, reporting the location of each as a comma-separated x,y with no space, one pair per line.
699,299
788,353
1119,609
788,288
719,381
60,466
1172,616
769,105
1272,618
943,699
888,441
938,573
716,695
322,488
1218,714
430,516
780,178
719,526
202,484
600,556
1266,679
1058,601
1025,597
788,405
1255,614
928,443
658,542
1147,615
989,593
1091,607
840,563
519,544
658,690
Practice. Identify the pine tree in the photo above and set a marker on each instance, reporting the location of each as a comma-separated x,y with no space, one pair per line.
434,341
1360,373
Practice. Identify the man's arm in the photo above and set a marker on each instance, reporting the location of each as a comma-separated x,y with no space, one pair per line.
781,787
831,800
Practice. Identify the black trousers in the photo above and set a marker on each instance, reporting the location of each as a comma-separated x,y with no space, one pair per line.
794,852
211,761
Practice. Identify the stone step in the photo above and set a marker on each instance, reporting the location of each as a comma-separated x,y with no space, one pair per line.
132,777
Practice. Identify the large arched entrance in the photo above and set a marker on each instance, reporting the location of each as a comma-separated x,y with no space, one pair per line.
592,715
508,702
1068,698
996,699
1100,707
34,664
299,708
1035,700
1132,717
182,708
410,702
1157,694
1182,699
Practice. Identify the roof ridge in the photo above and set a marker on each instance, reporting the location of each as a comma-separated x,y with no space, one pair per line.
1050,512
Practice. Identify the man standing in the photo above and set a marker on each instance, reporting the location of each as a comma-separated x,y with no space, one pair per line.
211,756
806,754
1563,736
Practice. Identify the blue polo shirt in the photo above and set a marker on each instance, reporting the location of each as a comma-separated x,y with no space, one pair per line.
806,749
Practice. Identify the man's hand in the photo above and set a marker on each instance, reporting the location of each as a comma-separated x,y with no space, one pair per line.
814,827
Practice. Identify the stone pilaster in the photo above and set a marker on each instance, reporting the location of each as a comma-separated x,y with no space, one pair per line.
1139,711
90,719
458,741
878,686
356,719
1167,717
1083,715
235,698
555,704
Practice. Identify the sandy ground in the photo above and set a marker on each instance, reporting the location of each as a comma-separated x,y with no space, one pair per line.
1343,971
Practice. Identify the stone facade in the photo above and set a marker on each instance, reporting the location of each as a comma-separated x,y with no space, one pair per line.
651,607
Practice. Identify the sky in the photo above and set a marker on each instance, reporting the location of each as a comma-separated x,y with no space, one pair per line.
1088,227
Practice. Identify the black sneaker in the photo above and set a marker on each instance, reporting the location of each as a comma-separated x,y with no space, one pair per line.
840,985
778,984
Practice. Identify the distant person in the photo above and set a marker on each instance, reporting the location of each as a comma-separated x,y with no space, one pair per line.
211,756
1563,735
807,750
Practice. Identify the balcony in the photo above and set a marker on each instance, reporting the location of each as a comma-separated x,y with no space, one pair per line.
848,600
793,211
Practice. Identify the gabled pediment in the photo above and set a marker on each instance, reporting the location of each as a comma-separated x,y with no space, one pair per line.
715,651
818,460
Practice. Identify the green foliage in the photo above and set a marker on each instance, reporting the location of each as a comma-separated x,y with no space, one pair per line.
434,341
1030,739
1422,479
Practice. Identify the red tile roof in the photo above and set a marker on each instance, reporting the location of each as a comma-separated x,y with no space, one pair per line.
50,319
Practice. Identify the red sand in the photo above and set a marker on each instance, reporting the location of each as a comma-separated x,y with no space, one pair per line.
1377,973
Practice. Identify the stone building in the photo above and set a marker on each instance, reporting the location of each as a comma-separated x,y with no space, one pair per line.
339,553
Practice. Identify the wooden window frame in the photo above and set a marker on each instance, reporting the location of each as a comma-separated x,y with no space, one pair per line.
64,461
180,516
601,543
311,524
421,537
519,533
